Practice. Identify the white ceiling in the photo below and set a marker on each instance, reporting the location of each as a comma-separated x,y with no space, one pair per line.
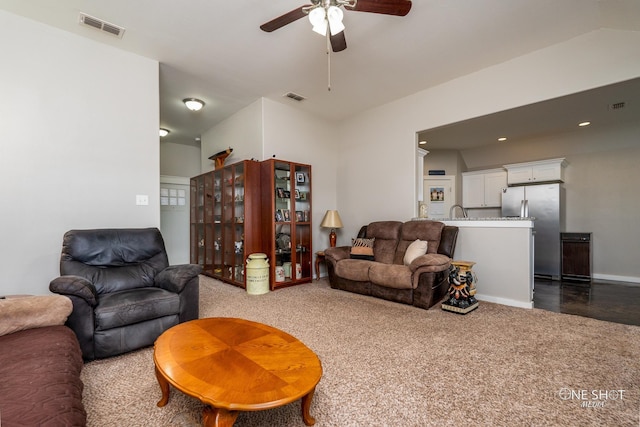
609,105
215,51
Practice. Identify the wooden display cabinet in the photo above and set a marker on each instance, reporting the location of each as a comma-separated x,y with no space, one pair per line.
225,220
286,221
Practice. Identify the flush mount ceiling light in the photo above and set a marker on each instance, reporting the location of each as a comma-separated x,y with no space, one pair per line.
583,124
193,104
502,138
164,132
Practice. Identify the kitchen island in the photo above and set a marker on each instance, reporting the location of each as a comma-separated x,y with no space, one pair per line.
502,249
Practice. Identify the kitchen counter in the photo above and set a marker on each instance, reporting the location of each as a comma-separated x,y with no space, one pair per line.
502,249
489,222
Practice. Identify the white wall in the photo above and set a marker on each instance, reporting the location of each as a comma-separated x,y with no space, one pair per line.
299,137
267,128
242,132
381,185
179,160
73,153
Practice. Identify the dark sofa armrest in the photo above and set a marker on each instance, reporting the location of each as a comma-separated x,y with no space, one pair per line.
429,263
76,286
336,254
174,278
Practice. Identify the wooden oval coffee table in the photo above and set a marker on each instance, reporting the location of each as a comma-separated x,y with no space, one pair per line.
235,365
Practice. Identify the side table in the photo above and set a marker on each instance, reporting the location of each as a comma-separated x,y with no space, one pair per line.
319,258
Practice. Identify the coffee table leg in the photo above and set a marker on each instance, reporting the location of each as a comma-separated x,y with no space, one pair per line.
164,387
306,406
216,417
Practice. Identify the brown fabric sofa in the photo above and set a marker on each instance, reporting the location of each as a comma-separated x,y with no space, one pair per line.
40,364
422,283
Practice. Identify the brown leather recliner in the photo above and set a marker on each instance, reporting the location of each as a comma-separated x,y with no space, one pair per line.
123,290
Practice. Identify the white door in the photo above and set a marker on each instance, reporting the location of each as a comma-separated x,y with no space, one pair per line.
174,218
439,195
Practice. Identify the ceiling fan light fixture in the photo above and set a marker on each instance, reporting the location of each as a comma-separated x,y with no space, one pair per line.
317,17
193,104
334,16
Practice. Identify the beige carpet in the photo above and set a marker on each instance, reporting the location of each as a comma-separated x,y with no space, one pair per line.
387,364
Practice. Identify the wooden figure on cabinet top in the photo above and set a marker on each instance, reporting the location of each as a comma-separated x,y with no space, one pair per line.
220,157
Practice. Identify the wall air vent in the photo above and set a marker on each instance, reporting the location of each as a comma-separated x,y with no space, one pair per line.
295,96
617,105
99,24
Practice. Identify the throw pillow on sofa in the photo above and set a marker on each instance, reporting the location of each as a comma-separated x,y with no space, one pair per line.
20,313
415,249
362,248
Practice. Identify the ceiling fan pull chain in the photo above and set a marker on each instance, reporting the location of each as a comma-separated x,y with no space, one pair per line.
328,63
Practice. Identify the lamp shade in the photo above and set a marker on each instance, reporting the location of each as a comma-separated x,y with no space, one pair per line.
331,220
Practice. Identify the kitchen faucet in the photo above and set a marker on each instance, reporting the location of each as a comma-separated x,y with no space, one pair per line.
453,208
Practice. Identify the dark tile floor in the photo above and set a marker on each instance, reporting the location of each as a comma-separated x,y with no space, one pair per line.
611,301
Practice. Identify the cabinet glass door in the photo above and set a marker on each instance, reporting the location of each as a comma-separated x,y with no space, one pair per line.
228,250
238,223
208,223
282,216
197,241
216,241
302,222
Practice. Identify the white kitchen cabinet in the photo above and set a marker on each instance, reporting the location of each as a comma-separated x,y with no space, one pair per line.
535,172
483,189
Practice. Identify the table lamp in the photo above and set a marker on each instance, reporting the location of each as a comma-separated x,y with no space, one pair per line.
332,220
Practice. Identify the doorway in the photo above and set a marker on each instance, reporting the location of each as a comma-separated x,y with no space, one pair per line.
174,217
439,195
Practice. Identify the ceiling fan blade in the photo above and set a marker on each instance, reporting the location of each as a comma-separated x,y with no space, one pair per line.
338,42
387,7
283,20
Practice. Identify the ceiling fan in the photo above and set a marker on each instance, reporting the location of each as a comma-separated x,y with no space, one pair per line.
326,16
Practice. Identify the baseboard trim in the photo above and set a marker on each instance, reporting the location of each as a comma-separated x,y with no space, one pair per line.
504,301
615,278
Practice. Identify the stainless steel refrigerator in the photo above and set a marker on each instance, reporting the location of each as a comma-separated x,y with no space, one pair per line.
544,202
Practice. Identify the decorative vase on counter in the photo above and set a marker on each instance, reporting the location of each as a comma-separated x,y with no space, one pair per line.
423,211
462,288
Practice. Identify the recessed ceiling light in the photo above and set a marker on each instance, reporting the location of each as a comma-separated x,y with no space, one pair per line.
193,104
422,142
502,138
164,132
583,124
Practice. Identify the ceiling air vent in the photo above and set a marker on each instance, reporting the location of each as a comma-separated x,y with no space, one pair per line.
617,105
99,24
295,96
